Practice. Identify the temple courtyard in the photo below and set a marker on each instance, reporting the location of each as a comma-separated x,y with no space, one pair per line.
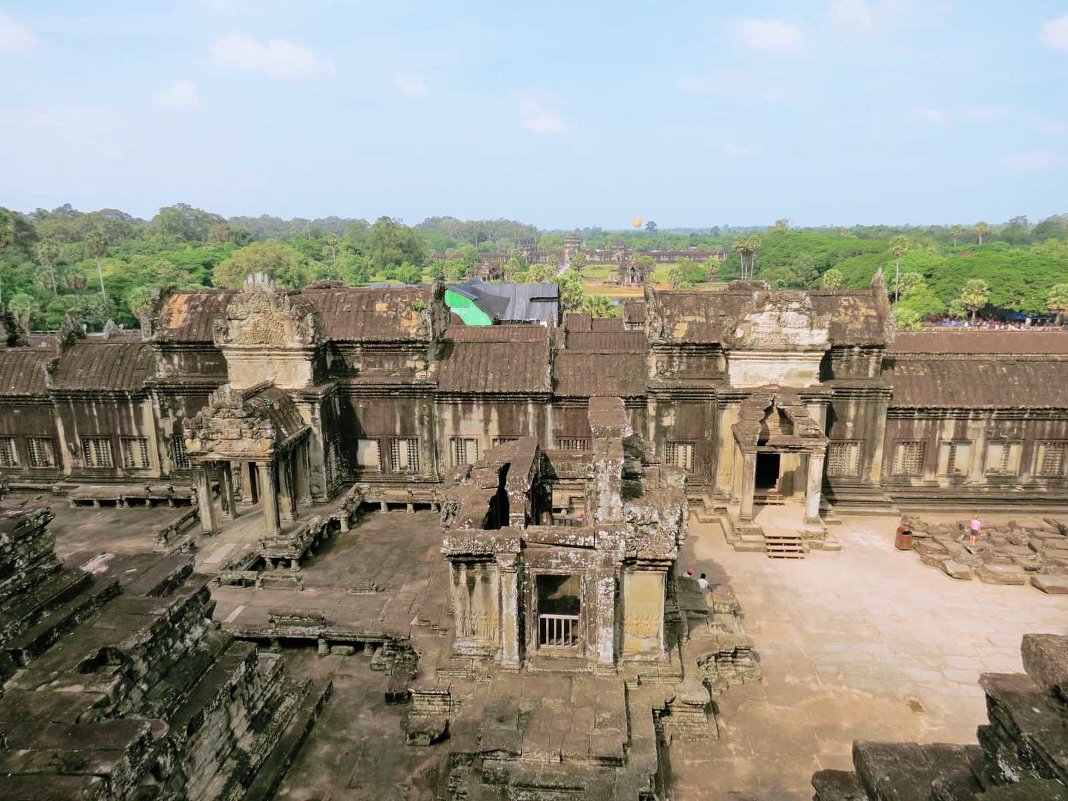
864,643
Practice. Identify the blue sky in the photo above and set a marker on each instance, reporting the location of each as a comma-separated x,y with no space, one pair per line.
560,114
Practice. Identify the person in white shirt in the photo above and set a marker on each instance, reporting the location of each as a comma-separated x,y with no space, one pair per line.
702,582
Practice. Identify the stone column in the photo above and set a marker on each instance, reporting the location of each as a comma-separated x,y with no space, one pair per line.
204,499
511,654
285,488
268,495
246,482
815,485
304,496
463,602
605,637
748,485
229,503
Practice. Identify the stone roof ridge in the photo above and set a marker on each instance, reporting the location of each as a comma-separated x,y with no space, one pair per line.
782,319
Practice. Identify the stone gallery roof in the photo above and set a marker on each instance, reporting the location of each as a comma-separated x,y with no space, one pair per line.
956,341
343,313
857,318
590,374
117,366
978,383
191,316
495,359
371,315
854,318
22,370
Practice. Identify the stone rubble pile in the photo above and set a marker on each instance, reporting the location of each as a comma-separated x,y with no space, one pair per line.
1008,554
117,685
1022,753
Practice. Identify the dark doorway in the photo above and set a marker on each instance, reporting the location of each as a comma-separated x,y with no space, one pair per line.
559,606
767,471
253,483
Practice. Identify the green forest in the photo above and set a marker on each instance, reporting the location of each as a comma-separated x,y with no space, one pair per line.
103,265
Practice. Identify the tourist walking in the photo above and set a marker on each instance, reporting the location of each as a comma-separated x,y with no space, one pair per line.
974,527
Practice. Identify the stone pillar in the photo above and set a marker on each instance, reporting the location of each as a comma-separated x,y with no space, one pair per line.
226,484
815,485
268,496
511,655
605,636
246,482
304,495
463,602
285,488
748,485
204,499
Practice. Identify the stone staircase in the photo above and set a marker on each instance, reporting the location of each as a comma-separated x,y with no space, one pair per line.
782,544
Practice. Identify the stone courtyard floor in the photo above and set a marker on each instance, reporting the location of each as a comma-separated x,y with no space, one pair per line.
865,643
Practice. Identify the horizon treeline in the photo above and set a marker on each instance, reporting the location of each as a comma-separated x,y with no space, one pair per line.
103,265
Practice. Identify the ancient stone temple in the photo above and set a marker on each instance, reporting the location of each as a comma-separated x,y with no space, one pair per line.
590,584
761,397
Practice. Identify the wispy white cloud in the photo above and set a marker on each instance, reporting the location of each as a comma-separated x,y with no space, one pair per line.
725,83
537,114
411,85
934,116
1033,161
179,96
770,35
15,39
734,83
737,151
1054,33
987,112
275,58
863,18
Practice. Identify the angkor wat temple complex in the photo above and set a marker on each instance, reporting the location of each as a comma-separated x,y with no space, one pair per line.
444,562
754,393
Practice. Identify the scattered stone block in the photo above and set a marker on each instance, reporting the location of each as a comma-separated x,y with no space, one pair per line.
1050,584
1002,574
957,570
1045,659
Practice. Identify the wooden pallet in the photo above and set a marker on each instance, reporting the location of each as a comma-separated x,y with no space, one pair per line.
783,546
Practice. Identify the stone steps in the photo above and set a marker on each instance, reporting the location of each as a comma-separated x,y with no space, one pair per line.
275,766
90,595
784,545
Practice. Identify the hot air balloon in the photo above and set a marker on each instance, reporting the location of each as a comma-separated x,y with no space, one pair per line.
637,222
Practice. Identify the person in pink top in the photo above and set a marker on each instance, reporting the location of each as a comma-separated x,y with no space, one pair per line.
974,527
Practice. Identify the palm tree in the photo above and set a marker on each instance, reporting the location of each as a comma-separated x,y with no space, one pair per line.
981,228
7,238
754,246
48,255
832,279
956,231
1058,302
974,296
98,249
740,246
331,242
899,246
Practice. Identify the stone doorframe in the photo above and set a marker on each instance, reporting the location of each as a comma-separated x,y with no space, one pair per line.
283,482
792,431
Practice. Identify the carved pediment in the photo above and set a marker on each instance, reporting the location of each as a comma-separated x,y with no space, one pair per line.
263,315
783,321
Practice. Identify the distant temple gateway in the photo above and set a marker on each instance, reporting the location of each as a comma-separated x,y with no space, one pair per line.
758,396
